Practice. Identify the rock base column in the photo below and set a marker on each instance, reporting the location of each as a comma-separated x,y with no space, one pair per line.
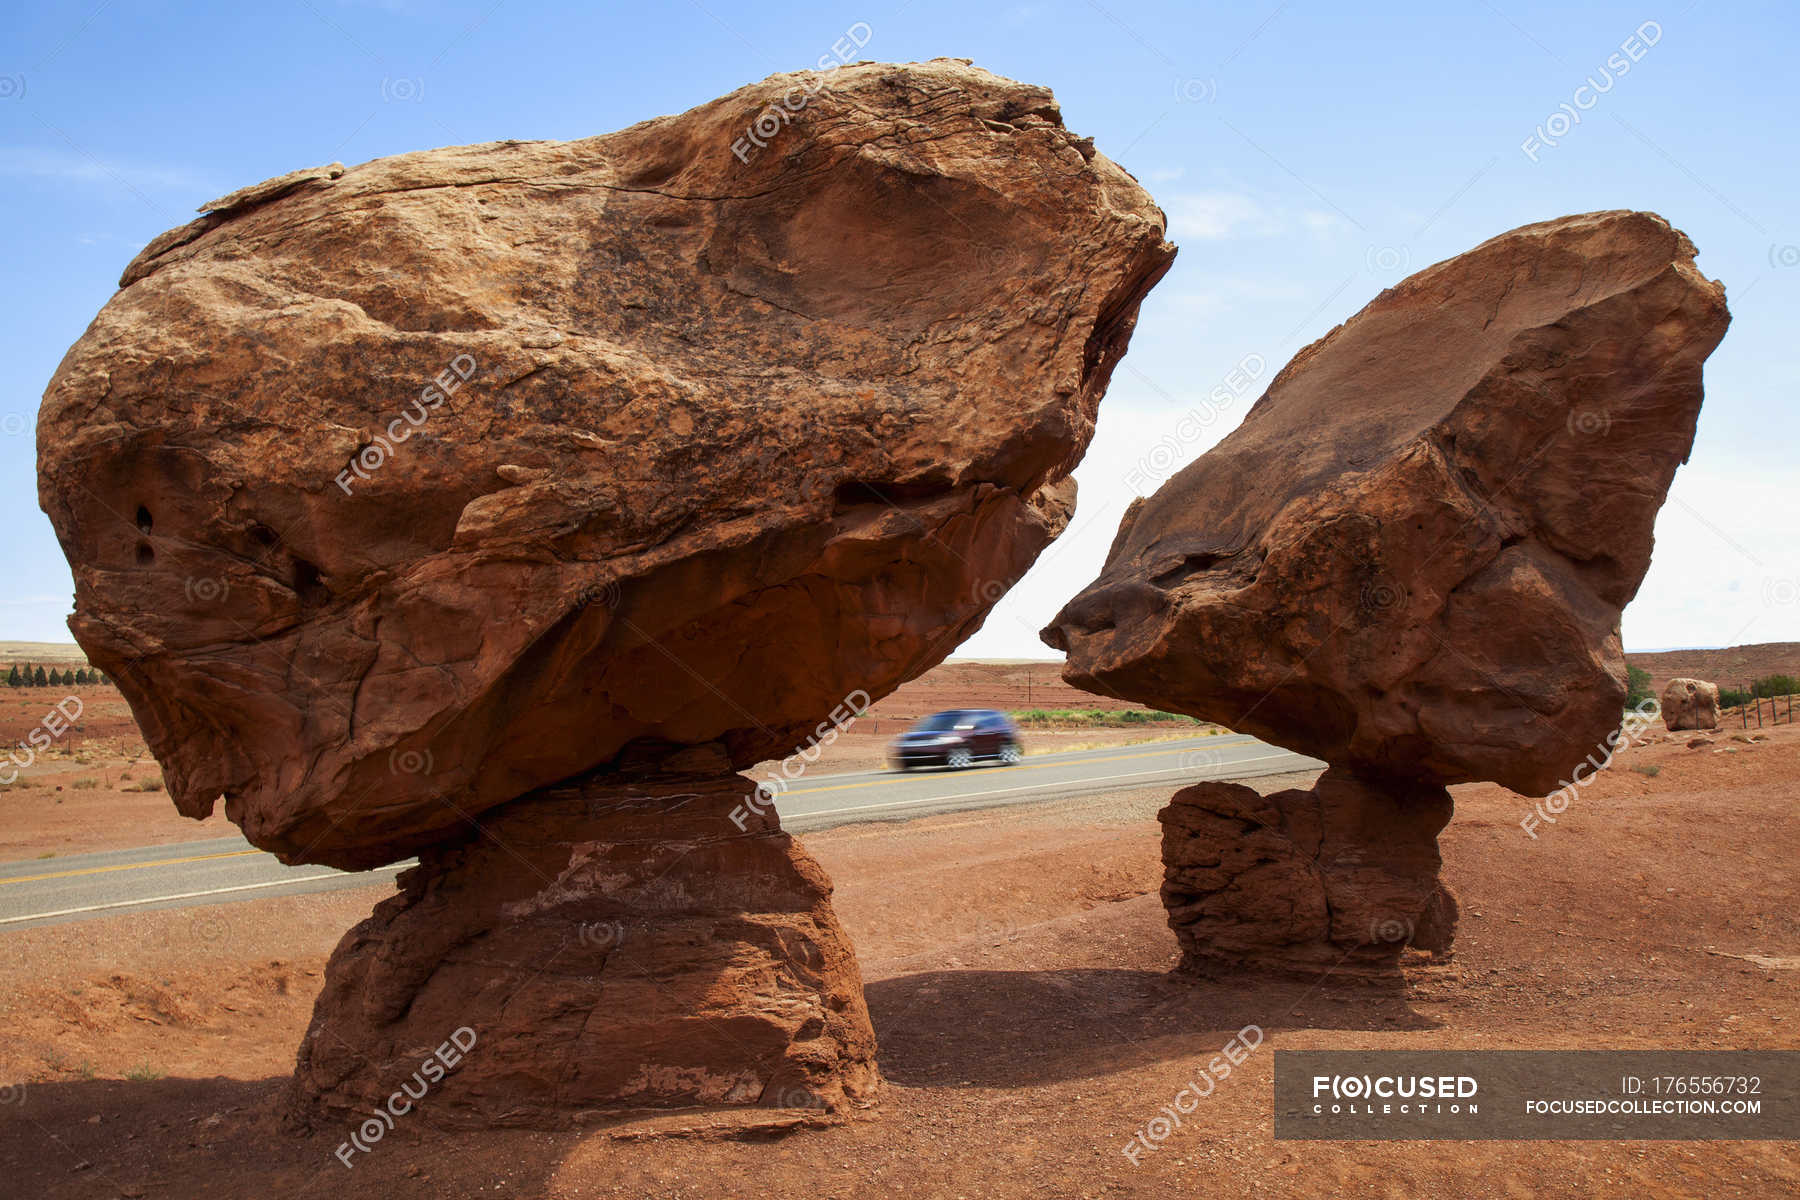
1341,876
608,946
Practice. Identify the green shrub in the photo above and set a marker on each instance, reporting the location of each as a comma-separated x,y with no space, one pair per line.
1637,686
1776,685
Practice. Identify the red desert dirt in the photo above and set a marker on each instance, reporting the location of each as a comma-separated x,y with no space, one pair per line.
1017,970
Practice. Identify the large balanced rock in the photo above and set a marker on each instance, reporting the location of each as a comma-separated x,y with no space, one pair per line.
1690,704
1411,558
459,472
397,493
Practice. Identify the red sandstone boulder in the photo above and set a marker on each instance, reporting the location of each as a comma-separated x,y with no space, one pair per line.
459,473
1411,557
1410,561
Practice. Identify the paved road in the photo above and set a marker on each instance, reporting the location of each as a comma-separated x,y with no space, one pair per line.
79,887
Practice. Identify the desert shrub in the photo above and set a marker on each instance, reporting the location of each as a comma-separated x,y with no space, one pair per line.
1732,697
1776,685
1650,770
152,784
1637,686
143,1073
1095,716
86,783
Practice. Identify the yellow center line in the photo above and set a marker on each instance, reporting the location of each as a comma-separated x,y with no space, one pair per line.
888,780
165,862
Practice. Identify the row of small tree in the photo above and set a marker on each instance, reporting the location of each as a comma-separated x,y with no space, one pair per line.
25,675
1761,689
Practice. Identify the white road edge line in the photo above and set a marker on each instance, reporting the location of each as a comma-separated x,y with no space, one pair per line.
1034,787
242,887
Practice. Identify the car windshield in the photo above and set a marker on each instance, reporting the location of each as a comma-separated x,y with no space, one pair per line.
940,722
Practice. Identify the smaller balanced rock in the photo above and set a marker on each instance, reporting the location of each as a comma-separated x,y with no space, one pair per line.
1410,561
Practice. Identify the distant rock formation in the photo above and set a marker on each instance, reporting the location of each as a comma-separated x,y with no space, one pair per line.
1409,561
397,493
1690,704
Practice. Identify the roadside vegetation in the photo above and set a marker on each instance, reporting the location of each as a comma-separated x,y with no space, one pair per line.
1760,689
1099,718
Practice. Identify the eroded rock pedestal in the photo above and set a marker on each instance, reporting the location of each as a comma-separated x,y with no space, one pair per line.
1342,875
613,944
1410,560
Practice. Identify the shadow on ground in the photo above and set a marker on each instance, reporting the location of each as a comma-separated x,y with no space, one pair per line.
1023,1028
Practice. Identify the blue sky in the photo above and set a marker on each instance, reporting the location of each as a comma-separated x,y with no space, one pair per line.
1308,155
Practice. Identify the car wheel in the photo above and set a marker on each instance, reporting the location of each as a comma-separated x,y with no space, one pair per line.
1010,754
902,768
959,758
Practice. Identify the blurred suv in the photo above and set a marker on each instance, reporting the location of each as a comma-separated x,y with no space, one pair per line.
958,738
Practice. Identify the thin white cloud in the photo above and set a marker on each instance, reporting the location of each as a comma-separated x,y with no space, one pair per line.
66,166
1220,213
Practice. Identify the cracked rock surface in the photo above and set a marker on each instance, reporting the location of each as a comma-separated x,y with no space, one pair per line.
1411,557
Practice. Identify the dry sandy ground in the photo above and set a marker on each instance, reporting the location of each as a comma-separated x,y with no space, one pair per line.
1016,963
